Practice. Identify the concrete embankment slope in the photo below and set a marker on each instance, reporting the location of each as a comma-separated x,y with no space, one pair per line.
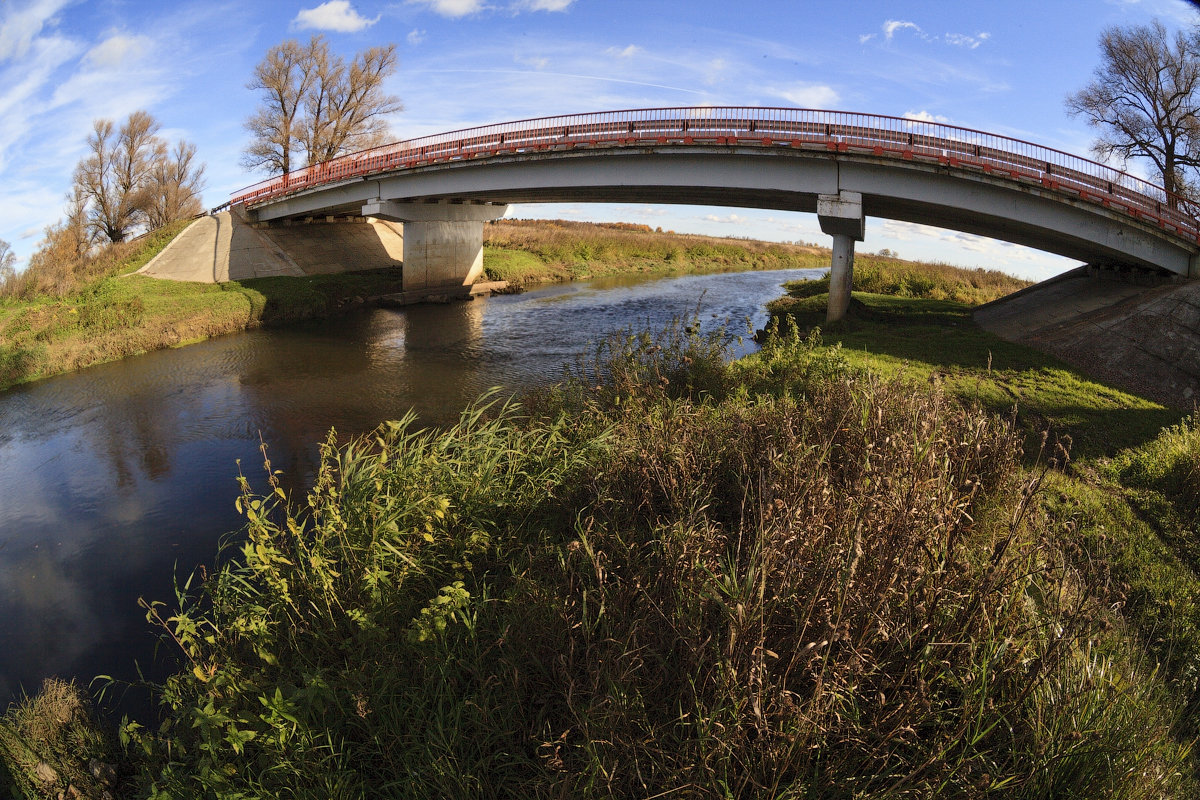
1143,339
223,247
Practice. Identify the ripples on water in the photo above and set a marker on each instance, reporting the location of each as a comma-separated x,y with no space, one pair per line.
116,478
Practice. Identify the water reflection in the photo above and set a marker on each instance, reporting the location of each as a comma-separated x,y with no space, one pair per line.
114,479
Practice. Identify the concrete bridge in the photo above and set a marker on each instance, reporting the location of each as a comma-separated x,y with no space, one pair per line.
843,166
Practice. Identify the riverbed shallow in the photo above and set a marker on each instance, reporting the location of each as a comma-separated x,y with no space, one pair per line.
119,478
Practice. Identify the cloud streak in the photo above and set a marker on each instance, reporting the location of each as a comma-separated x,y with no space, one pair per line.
336,15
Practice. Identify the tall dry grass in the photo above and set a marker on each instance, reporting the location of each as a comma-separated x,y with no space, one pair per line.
784,579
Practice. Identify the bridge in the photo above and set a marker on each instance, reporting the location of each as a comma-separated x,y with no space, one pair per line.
843,166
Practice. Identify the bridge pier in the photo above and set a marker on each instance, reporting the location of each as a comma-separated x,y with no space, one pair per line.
443,242
841,216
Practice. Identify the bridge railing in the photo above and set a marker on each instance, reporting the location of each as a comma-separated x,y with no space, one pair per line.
835,131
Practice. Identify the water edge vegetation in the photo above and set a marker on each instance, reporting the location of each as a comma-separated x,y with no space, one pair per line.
898,557
69,313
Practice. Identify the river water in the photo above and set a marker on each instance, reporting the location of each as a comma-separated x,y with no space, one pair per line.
117,478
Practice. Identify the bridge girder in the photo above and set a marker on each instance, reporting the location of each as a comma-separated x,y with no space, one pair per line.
948,197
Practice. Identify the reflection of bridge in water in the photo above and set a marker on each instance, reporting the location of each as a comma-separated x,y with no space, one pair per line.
841,165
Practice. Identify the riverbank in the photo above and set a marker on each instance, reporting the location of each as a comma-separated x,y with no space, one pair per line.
120,314
817,567
526,252
117,314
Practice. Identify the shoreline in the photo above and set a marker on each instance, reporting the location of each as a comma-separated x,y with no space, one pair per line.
123,314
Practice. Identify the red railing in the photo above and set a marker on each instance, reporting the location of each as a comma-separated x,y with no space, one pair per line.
833,131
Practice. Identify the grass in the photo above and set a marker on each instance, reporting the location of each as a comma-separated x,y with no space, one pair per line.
784,577
936,340
842,567
121,314
53,743
1125,507
525,252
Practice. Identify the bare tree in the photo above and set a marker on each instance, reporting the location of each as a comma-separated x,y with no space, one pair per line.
113,178
346,108
317,105
8,265
1144,99
76,225
130,178
175,183
284,77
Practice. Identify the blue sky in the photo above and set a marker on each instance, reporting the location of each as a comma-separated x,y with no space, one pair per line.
1001,67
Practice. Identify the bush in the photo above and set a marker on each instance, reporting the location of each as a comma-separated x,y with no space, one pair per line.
52,745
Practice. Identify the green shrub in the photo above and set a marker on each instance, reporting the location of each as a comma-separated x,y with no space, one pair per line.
666,581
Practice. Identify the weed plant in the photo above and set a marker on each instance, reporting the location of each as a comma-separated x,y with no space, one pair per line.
667,581
53,745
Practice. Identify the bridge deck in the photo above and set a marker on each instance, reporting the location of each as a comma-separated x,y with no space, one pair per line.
884,137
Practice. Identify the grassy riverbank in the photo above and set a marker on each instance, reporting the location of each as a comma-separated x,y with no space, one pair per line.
95,311
849,565
112,314
828,569
527,252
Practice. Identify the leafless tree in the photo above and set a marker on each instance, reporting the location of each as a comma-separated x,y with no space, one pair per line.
347,106
284,77
1144,98
130,178
8,264
175,183
113,178
316,105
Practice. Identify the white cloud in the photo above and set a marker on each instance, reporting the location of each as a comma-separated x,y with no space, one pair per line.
118,49
542,5
335,15
732,219
452,8
963,40
892,25
807,95
537,62
19,27
625,52
415,37
997,248
925,116
462,8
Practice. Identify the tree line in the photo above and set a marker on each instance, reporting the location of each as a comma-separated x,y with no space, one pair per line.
314,106
130,180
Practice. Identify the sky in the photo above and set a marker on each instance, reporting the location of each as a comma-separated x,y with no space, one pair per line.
1000,67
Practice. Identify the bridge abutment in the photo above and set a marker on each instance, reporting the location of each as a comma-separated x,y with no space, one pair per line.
841,216
443,242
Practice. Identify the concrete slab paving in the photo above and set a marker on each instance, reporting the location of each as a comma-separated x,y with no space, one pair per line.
223,247
1143,339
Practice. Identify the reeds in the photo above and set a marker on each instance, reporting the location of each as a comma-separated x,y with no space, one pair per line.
665,582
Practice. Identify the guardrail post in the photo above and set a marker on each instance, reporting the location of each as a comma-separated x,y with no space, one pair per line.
841,216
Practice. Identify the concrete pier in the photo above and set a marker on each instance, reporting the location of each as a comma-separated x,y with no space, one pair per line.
443,242
841,216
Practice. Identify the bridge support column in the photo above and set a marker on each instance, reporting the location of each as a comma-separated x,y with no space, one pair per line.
841,216
443,242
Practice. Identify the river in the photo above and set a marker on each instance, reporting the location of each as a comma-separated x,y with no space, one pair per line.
117,478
